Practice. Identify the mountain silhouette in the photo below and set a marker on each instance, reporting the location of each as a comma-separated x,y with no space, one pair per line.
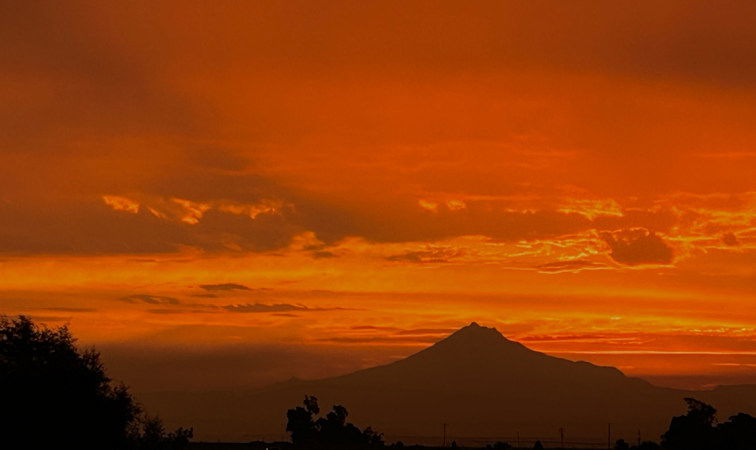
476,380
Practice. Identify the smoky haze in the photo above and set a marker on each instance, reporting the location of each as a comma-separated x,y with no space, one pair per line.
475,379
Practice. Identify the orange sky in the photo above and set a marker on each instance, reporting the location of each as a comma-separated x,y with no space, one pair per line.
258,190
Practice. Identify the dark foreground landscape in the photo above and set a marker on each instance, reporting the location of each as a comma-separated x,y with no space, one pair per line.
474,389
696,429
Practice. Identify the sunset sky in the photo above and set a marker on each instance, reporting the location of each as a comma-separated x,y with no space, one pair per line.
233,193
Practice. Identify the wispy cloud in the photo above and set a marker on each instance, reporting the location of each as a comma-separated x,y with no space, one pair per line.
426,331
225,287
166,311
275,308
150,299
572,265
64,309
400,340
440,255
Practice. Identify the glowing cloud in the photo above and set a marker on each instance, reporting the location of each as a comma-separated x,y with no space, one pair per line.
121,203
428,205
192,211
252,210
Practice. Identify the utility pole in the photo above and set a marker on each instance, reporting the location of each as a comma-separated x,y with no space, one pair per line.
639,438
561,437
518,439
609,436
444,426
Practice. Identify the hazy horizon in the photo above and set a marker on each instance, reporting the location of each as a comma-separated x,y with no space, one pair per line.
474,379
149,368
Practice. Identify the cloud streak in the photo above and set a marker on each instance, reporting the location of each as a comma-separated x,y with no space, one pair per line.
150,299
572,265
224,287
275,308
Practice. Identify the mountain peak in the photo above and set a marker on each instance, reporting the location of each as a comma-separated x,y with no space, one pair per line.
474,327
475,333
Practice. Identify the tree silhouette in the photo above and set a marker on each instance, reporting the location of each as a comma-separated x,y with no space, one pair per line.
150,434
692,431
538,445
301,423
698,430
621,444
334,429
54,396
331,431
739,433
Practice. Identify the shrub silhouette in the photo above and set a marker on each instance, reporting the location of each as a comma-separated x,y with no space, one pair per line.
54,396
692,431
149,434
698,430
538,445
739,433
332,430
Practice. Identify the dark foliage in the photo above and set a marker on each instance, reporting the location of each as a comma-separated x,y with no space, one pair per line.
621,444
149,434
301,423
699,430
55,396
330,431
538,445
694,430
739,433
